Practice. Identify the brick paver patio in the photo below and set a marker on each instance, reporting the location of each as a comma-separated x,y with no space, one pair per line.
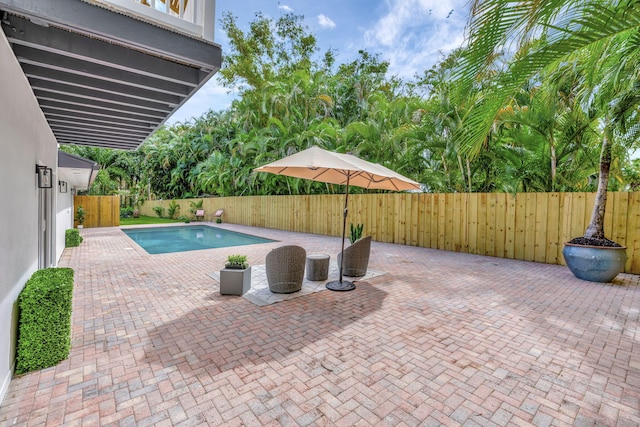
441,339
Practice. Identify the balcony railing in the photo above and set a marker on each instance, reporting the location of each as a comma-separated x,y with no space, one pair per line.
193,17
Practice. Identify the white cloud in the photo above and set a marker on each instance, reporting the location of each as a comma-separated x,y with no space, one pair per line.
212,95
326,22
413,33
213,87
285,8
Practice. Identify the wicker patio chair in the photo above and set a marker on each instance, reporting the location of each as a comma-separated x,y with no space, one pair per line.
356,258
285,269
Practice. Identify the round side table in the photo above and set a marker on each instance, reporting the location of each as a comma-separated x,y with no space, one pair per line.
317,266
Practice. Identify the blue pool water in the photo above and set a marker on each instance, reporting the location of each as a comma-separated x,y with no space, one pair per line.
162,240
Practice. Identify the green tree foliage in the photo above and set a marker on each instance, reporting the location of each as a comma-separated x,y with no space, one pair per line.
120,171
599,38
478,121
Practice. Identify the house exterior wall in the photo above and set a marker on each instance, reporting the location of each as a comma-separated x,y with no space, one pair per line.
64,218
25,140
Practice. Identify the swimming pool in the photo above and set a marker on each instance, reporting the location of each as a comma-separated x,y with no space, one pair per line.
162,240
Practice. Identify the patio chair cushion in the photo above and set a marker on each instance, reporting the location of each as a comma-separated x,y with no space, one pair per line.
356,258
285,269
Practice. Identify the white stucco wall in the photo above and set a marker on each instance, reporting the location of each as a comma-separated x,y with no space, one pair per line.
64,219
25,140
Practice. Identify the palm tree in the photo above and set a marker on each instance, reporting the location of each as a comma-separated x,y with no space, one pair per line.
600,37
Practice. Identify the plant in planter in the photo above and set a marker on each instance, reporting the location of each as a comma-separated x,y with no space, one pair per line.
235,278
355,232
592,256
237,262
80,216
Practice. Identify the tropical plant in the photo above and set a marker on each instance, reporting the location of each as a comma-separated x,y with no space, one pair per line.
355,232
632,175
600,38
195,206
499,127
119,173
173,209
159,210
237,262
80,214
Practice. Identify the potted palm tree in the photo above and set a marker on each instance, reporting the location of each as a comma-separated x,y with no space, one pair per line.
592,256
80,216
235,278
599,38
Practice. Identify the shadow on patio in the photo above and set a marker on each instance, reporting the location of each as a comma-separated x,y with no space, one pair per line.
227,335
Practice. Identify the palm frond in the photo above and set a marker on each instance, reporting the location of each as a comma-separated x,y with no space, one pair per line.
582,27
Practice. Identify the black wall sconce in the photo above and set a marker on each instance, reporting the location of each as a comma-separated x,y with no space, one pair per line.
44,176
63,186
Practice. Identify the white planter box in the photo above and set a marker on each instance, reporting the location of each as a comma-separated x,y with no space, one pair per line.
235,282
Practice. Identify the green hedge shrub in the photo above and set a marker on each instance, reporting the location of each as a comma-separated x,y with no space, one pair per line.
126,212
44,334
72,238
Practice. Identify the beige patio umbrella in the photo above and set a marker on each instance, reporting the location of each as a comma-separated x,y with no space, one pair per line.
321,165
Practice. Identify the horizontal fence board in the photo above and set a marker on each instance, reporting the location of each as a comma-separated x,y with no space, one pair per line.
525,226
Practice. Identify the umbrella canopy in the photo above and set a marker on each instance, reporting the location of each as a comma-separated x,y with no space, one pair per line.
321,165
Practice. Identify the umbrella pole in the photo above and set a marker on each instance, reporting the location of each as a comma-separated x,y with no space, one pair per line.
344,226
341,285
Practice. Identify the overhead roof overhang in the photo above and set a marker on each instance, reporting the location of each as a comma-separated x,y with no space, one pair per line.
104,78
78,172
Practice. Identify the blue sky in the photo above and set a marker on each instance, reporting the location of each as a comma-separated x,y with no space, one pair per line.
410,34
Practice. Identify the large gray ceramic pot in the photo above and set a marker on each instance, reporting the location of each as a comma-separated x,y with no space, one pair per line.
595,263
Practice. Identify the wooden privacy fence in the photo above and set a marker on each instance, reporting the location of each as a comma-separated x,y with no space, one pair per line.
525,226
101,211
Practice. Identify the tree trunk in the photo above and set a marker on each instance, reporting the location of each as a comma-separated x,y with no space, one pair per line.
595,230
446,171
462,173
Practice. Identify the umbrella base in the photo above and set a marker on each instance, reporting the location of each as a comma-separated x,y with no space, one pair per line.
337,285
